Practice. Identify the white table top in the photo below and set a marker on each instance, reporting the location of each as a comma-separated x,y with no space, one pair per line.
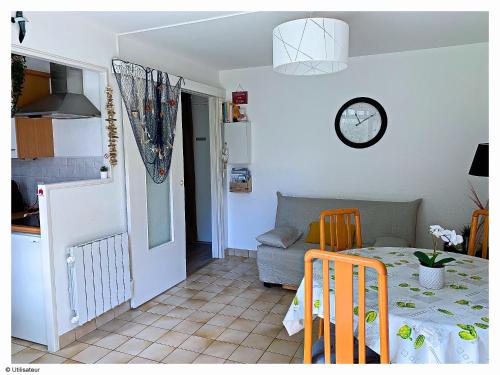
449,325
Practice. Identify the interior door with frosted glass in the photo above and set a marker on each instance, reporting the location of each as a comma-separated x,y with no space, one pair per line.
156,225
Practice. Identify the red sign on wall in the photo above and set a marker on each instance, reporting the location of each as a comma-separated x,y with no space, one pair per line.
240,97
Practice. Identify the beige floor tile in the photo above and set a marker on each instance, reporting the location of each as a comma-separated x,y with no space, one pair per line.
91,354
26,356
271,318
14,348
161,309
172,338
262,306
220,349
147,318
180,356
174,300
42,348
255,315
242,302
241,324
196,344
49,358
146,306
212,307
72,349
231,291
232,336
243,354
112,325
231,310
298,337
269,357
214,288
240,284
111,341
187,327
209,331
225,299
115,357
299,353
156,352
280,309
205,296
187,293
257,341
287,348
271,298
130,329
130,315
22,342
266,329
221,320
166,322
200,316
202,358
250,294
71,362
93,337
142,361
133,346
194,304
296,360
223,281
151,333
180,312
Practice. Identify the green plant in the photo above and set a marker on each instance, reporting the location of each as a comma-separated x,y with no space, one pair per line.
466,231
17,67
104,169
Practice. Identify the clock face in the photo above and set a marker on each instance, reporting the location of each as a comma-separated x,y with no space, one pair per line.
361,122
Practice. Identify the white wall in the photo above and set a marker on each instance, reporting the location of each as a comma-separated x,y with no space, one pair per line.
135,50
437,106
84,212
201,148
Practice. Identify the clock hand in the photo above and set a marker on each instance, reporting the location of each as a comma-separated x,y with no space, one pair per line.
366,119
359,121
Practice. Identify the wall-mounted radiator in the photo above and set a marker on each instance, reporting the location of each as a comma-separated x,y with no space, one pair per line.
98,276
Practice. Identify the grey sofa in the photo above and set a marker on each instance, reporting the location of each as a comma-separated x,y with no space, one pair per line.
382,224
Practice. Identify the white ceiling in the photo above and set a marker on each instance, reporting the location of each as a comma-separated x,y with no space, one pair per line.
245,40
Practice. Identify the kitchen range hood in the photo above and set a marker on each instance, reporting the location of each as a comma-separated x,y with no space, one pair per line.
66,100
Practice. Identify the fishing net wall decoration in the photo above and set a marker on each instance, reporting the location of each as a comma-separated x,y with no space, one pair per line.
151,102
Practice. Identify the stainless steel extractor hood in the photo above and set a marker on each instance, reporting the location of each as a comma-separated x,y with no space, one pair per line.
66,100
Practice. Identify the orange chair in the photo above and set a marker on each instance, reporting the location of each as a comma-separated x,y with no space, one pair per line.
474,226
344,341
340,229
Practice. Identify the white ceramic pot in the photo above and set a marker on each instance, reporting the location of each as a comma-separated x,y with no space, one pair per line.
104,175
431,278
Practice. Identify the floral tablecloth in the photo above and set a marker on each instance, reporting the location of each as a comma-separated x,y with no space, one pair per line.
449,325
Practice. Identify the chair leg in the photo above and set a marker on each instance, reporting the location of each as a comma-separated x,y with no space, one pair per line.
268,285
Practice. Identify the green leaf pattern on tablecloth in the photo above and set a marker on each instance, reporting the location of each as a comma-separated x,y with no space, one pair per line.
416,314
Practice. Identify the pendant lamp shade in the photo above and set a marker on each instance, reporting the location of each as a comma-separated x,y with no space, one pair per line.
311,46
480,164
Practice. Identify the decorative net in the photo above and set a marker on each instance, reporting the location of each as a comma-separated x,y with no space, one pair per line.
151,103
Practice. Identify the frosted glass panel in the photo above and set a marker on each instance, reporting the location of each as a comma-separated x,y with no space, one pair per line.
159,212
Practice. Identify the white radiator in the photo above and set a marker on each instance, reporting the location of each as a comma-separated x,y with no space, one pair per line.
98,276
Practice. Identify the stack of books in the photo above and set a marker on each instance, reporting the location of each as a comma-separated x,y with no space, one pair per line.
240,181
233,112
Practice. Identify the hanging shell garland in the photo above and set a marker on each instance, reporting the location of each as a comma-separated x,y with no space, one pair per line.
111,127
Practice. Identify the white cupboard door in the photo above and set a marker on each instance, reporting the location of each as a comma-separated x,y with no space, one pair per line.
27,298
157,236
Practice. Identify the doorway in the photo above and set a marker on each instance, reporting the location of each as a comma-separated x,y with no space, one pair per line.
197,180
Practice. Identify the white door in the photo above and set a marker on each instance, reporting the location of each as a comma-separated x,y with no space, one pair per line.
157,236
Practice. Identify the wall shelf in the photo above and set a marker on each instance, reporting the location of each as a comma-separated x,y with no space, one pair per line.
237,136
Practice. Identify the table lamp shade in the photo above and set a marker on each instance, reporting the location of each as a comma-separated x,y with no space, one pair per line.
480,163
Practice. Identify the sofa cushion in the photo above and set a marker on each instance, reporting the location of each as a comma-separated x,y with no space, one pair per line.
280,237
391,242
378,218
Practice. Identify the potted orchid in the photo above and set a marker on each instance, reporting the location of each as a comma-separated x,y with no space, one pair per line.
104,172
431,272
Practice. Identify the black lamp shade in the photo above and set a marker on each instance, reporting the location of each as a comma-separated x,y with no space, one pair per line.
480,163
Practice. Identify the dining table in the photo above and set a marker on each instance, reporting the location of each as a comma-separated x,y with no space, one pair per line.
448,325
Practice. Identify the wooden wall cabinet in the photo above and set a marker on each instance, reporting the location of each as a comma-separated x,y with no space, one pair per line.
34,136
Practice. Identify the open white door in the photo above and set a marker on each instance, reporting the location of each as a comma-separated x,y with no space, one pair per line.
156,226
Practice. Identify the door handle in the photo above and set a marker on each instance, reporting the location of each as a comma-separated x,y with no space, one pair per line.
181,182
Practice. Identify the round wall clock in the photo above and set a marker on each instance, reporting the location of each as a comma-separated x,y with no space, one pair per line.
361,122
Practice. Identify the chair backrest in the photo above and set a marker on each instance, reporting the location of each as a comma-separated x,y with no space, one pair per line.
339,229
474,227
344,307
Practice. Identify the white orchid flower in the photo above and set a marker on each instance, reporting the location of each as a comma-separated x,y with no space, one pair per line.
436,230
451,237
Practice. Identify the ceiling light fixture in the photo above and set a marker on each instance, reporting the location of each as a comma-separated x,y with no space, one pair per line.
311,46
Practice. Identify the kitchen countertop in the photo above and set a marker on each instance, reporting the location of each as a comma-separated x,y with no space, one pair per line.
25,224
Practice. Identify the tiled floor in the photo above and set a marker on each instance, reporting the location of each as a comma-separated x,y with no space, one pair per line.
221,314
